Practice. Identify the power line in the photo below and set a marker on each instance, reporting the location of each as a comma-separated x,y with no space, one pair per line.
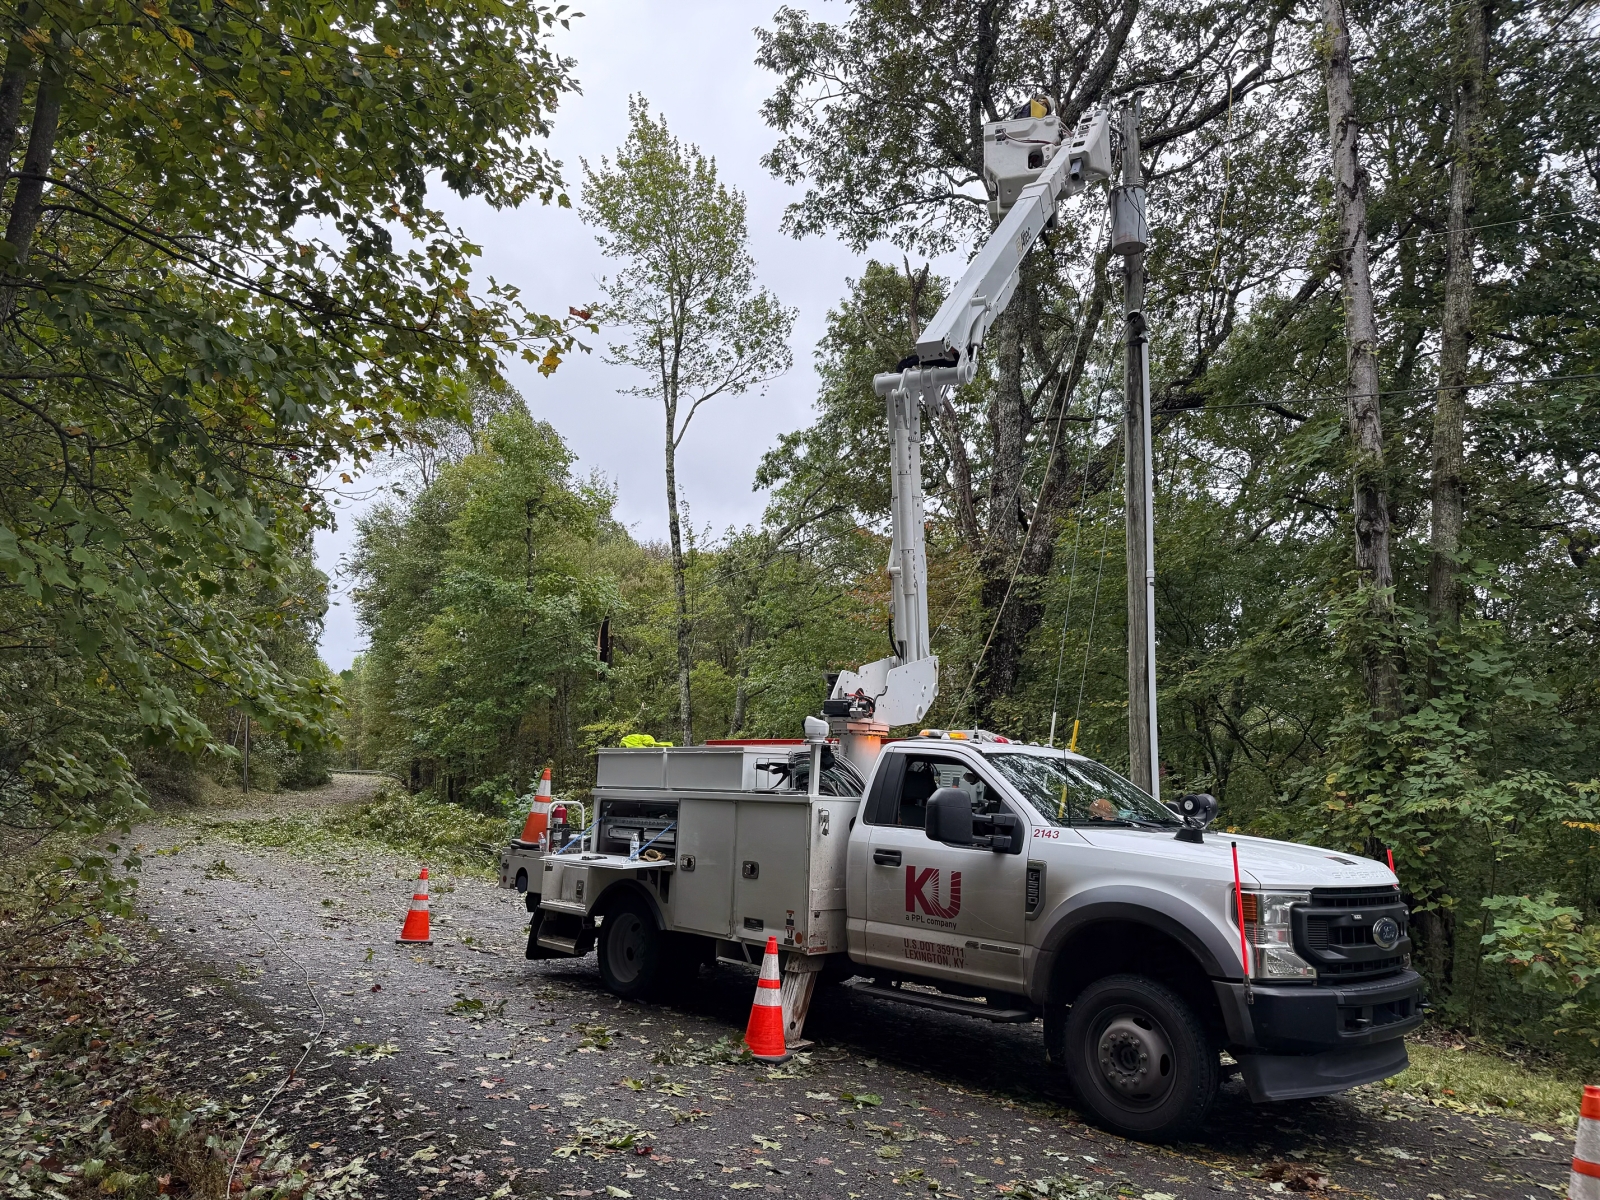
1027,532
1326,396
1432,233
1077,537
1094,610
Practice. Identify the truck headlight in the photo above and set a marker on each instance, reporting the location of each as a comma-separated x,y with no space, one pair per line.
1266,920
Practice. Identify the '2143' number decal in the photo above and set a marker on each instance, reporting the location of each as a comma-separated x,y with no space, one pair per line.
1042,831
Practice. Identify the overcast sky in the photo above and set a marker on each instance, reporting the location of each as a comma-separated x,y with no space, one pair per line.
695,61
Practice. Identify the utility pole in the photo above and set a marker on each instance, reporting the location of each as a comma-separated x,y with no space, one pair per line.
1129,236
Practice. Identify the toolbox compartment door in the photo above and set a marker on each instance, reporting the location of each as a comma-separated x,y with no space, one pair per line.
702,889
770,875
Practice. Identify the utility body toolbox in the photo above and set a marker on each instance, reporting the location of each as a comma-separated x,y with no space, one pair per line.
715,843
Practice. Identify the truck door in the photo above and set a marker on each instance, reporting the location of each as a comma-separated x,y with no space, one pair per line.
955,912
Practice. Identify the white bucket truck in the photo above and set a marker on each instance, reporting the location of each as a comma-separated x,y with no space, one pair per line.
963,872
1006,882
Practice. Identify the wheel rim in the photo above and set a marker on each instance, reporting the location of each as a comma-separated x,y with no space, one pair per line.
625,945
1133,1059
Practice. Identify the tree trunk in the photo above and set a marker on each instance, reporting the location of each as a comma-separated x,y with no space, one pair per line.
26,204
1368,484
19,64
1437,929
741,690
679,584
1455,334
1062,488
961,475
998,559
949,426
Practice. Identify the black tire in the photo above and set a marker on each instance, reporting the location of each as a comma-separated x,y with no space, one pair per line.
522,879
632,950
1140,1060
681,957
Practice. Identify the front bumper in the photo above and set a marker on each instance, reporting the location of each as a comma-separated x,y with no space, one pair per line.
1294,1042
1286,1019
1298,1076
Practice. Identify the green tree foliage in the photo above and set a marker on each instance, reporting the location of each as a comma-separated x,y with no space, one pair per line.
699,326
483,594
220,279
481,610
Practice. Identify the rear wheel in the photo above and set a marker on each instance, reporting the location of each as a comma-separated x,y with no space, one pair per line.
1139,1058
632,950
681,957
522,880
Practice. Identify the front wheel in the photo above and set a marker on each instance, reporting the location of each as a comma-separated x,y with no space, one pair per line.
631,949
1139,1058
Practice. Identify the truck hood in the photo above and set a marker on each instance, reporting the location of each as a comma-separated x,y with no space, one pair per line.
1263,862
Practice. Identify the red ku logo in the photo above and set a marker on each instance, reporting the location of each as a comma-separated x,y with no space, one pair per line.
922,891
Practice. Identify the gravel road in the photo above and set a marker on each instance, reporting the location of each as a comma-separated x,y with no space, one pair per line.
461,1069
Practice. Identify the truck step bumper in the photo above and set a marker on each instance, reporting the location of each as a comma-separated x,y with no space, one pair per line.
1298,1076
949,1004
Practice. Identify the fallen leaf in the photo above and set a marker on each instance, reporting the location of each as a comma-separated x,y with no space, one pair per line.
864,1099
1298,1177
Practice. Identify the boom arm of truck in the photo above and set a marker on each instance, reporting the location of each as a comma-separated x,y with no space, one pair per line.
1026,150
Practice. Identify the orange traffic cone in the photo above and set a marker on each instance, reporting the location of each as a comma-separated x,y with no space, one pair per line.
1585,1183
415,930
537,826
764,1034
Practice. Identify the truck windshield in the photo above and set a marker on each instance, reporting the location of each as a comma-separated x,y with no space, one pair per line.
1080,792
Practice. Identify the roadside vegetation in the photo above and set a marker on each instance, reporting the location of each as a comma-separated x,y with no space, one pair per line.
94,1100
1486,1079
430,831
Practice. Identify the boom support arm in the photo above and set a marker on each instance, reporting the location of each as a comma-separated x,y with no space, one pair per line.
957,330
899,689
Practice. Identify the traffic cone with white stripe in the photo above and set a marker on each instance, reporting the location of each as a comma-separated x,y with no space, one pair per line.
537,826
415,930
764,1034
1585,1184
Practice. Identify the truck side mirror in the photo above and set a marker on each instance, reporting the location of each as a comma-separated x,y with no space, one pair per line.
949,817
1007,835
